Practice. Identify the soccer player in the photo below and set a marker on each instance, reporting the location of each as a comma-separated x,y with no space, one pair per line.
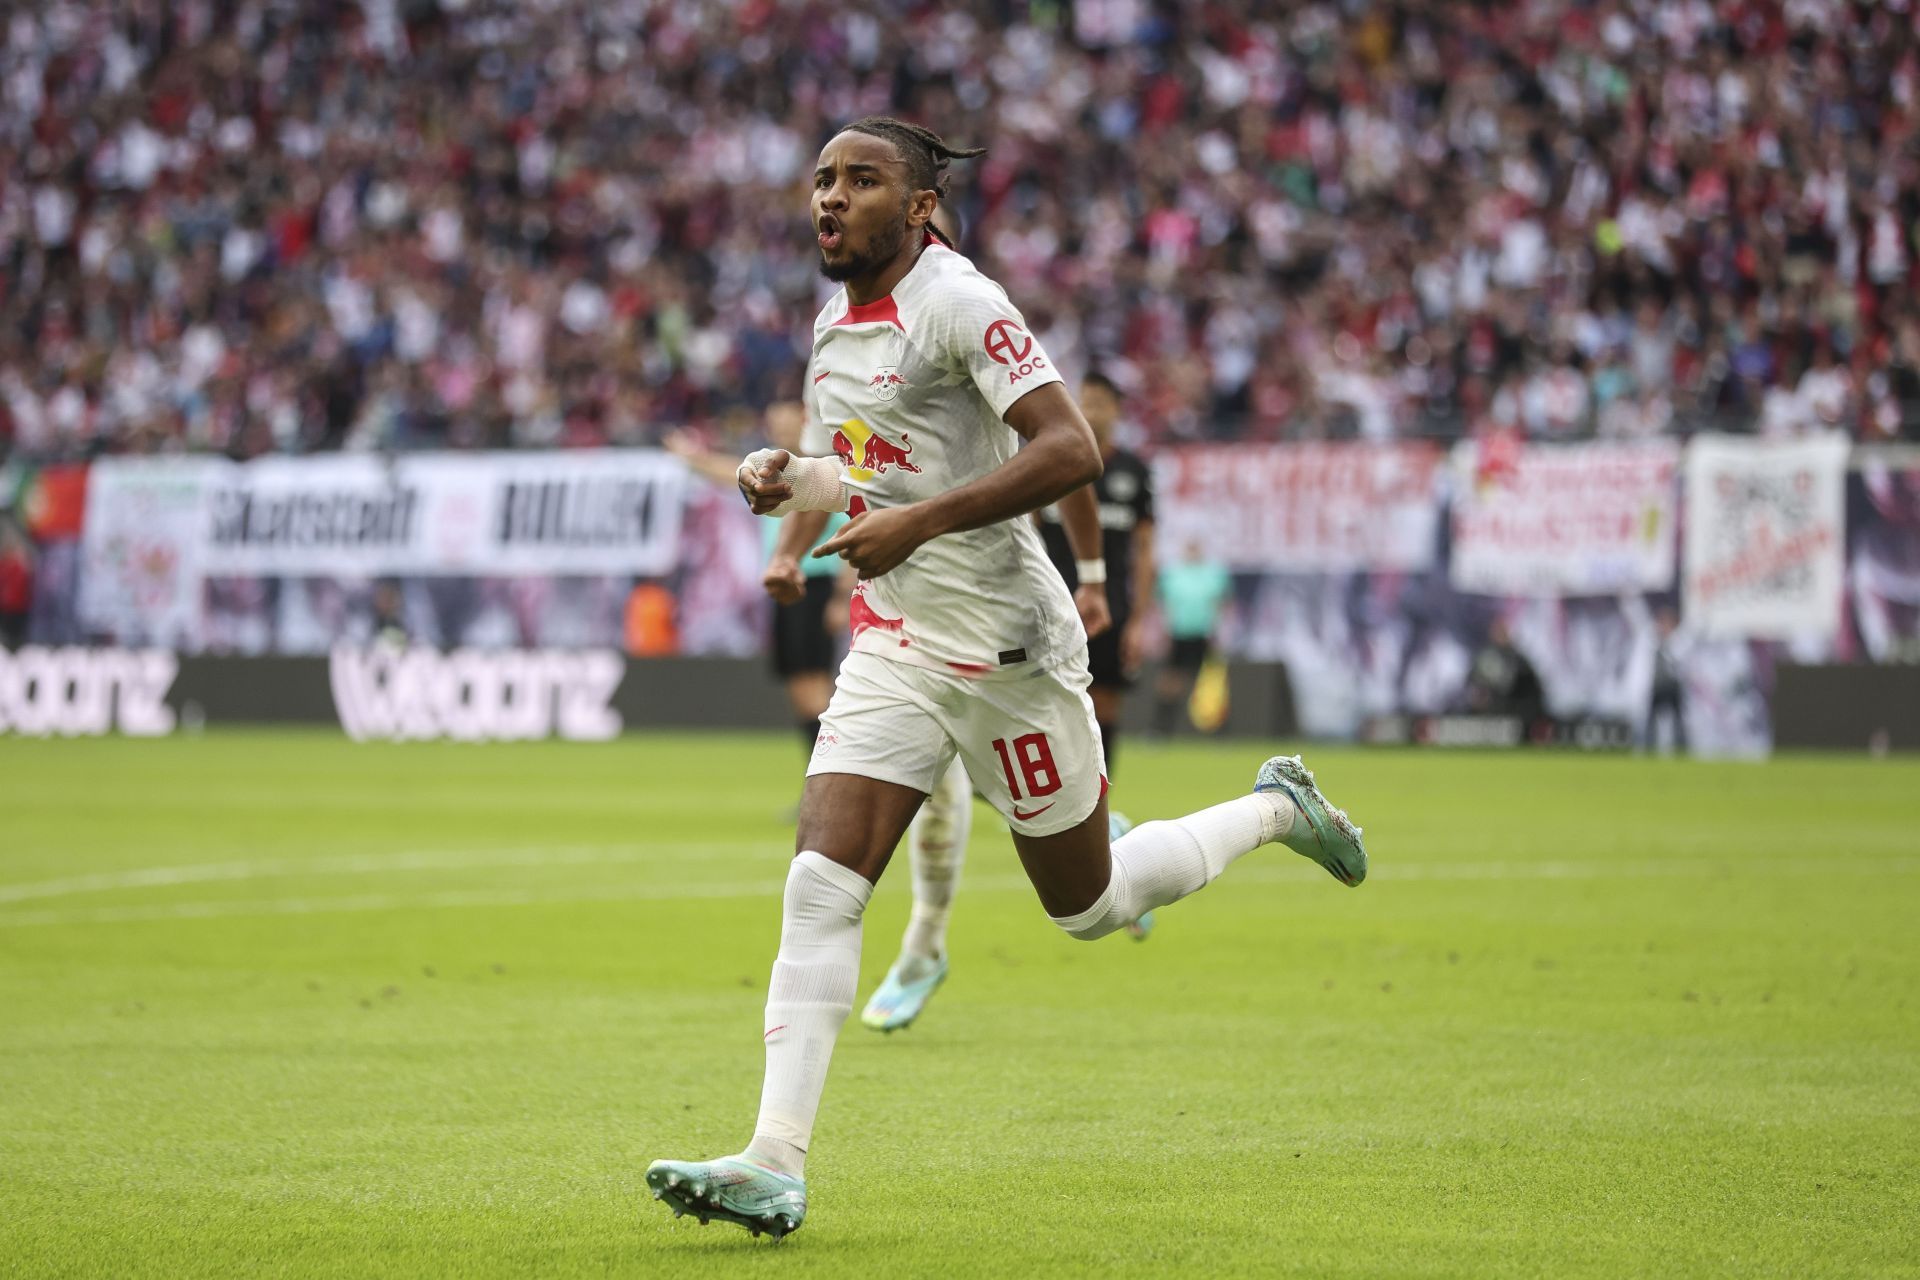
937,838
1124,492
964,640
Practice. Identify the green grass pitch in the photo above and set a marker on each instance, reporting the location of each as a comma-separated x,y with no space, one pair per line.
279,1004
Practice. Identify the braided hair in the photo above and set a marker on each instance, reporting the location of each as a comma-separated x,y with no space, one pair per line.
927,154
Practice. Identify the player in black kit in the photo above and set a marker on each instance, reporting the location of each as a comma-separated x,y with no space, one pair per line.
1125,494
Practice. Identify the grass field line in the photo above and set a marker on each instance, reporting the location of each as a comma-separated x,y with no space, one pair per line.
363,864
628,891
609,854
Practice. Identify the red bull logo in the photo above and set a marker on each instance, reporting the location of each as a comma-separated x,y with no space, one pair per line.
869,454
886,383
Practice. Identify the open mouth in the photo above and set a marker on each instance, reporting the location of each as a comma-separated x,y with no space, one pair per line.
830,233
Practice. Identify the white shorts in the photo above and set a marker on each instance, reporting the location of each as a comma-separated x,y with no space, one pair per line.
1031,746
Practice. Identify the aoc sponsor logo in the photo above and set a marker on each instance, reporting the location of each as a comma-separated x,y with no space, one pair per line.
1008,344
76,692
476,695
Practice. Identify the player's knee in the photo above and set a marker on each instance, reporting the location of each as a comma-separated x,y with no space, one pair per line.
1096,921
1090,932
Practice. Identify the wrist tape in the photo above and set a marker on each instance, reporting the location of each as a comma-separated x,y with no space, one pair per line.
816,482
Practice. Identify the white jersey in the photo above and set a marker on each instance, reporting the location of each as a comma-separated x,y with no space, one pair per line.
910,391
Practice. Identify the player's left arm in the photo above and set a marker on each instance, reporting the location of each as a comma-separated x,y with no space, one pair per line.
1060,456
1132,635
1145,574
798,531
1080,517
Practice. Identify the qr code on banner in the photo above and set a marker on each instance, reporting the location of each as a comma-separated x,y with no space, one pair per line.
1766,530
1764,537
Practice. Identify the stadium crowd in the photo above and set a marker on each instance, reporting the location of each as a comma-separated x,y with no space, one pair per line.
291,225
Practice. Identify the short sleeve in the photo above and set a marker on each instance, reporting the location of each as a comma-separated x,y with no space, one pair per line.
978,332
816,438
816,441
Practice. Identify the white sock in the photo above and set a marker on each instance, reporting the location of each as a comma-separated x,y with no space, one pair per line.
811,994
936,850
1161,862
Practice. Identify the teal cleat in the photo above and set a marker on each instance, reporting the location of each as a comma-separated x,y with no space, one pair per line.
1118,824
732,1189
1330,838
904,993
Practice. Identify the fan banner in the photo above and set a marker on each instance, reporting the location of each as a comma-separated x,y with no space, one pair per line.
1765,536
1304,507
1564,520
141,547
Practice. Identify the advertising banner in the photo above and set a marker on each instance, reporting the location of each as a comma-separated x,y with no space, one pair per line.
157,528
1304,507
350,514
474,695
1567,520
497,514
73,692
1766,536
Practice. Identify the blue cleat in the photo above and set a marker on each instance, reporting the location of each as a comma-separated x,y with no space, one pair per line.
733,1189
904,993
1329,837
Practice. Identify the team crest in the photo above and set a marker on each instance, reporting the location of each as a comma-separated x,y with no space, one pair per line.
886,383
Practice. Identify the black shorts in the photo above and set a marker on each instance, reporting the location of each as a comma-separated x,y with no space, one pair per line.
1188,653
1103,658
801,642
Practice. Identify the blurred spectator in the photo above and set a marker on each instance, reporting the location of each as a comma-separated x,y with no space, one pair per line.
1667,702
648,622
1503,682
387,616
288,225
1192,590
16,585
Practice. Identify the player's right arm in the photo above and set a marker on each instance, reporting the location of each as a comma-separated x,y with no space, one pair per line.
777,482
799,530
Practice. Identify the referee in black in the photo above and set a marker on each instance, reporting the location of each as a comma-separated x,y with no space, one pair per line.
1125,493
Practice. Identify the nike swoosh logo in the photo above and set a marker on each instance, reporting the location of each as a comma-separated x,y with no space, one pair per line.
1028,817
819,378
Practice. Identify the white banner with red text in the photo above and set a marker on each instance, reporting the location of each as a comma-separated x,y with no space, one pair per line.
1564,520
1300,507
1765,536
